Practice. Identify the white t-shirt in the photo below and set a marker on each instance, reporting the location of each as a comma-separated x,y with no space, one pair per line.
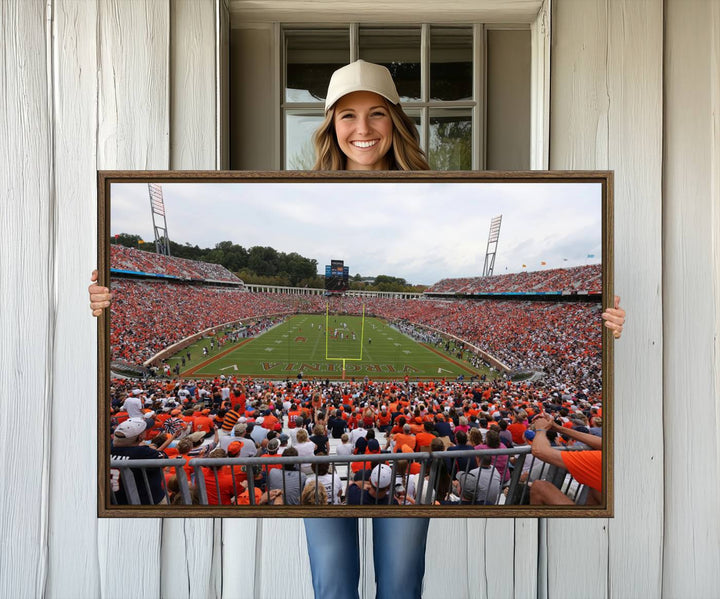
331,482
133,406
305,449
344,449
292,433
412,487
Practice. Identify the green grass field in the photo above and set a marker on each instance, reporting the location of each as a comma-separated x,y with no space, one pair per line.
302,343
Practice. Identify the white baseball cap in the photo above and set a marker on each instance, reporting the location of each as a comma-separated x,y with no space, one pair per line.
381,476
130,428
361,76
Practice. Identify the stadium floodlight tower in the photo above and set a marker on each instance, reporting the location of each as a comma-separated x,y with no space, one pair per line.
492,243
157,208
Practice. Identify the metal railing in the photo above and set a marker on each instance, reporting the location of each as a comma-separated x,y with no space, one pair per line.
433,483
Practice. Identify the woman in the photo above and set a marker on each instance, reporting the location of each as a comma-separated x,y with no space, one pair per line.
326,479
492,441
364,126
365,129
320,439
304,447
462,425
314,494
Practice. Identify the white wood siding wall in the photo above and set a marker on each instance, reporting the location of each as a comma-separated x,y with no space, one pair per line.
132,85
606,112
691,223
74,539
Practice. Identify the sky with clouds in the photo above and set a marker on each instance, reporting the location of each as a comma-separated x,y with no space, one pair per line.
422,232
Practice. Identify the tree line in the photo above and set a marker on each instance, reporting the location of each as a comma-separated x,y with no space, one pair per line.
263,265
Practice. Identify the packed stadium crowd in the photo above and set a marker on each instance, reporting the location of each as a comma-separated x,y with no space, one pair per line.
559,280
418,333
241,417
148,316
561,339
133,260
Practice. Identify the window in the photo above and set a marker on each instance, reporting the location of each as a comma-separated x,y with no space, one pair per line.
467,87
436,69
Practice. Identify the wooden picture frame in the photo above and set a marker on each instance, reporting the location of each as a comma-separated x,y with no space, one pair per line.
540,203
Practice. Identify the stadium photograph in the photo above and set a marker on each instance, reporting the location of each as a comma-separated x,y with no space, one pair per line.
412,347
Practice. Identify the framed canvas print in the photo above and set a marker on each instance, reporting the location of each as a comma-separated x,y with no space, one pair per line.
355,344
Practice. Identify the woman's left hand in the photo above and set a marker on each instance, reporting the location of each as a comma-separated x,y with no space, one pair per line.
615,318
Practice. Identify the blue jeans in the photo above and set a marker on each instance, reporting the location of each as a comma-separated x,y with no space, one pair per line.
398,553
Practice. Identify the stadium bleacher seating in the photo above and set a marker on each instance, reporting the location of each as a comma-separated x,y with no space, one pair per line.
586,279
138,261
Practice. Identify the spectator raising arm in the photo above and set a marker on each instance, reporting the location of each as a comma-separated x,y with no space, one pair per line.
585,466
541,447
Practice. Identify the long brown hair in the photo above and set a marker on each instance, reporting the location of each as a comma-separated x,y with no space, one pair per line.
405,154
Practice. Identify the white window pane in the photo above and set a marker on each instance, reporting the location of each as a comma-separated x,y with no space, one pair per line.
399,51
450,147
299,149
311,58
451,63
508,100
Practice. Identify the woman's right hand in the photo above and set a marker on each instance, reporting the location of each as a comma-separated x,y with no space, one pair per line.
99,296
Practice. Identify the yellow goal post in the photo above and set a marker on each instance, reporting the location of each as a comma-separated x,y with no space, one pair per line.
343,359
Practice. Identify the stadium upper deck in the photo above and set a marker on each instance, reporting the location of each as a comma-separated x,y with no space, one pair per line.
129,260
578,279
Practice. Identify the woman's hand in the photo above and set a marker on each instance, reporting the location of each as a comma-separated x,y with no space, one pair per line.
99,296
615,318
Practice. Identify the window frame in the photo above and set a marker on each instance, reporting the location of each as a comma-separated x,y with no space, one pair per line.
476,106
271,13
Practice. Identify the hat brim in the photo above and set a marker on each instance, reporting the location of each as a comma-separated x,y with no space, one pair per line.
330,101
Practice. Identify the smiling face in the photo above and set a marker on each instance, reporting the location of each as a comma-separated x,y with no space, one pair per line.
364,130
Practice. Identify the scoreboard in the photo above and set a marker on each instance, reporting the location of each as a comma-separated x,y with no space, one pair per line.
336,276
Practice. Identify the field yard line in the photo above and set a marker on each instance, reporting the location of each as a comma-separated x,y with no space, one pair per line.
194,369
317,340
366,353
458,364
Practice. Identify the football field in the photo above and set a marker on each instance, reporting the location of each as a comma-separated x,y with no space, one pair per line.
320,346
